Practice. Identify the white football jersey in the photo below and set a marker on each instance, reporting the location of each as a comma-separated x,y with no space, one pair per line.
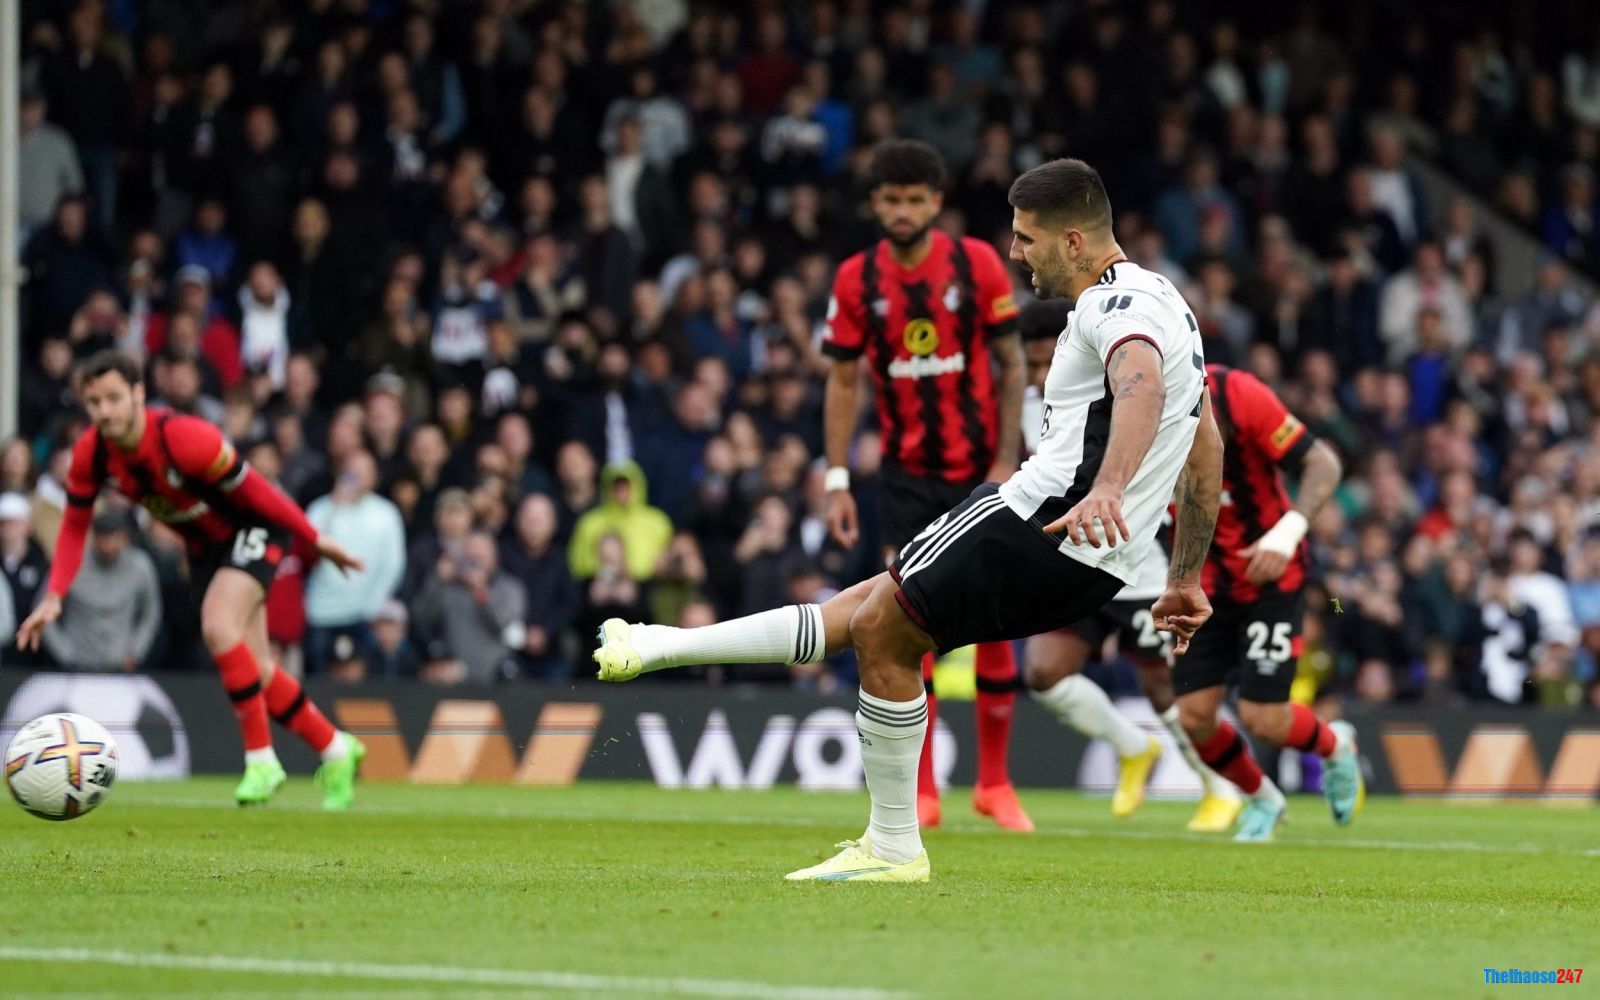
1128,303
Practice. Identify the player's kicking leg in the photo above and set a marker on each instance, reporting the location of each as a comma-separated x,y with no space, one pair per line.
1220,803
891,719
1054,665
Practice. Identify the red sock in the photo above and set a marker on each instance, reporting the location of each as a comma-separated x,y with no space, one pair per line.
287,702
241,678
997,694
1306,732
1227,754
926,785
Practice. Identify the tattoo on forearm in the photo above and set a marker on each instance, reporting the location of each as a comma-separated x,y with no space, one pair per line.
1196,520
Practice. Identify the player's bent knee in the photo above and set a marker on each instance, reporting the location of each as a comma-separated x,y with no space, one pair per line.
220,636
885,639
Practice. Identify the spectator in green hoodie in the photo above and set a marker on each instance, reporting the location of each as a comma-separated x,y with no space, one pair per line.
645,531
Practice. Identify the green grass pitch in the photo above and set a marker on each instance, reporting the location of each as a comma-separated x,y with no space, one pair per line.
625,890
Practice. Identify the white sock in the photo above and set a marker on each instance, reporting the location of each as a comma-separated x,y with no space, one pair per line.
1215,784
891,735
265,754
338,749
783,635
1268,792
1080,703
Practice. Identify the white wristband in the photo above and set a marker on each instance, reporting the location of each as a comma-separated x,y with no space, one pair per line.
1284,537
837,478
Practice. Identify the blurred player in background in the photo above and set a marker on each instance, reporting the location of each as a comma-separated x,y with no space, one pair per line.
1253,575
236,528
935,320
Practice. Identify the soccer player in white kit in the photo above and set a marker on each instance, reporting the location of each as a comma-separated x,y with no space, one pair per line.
1127,429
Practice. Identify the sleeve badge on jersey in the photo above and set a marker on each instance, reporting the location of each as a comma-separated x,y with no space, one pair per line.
921,337
222,463
1286,432
1004,306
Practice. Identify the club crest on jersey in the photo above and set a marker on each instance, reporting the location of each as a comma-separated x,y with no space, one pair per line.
921,337
880,307
173,479
952,297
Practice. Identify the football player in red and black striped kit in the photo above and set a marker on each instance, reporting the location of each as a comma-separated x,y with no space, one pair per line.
236,527
934,320
1253,575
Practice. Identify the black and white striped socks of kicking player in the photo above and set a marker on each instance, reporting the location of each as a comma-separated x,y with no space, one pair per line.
790,634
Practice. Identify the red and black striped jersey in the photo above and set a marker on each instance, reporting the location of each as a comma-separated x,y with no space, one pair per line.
186,473
1258,435
925,332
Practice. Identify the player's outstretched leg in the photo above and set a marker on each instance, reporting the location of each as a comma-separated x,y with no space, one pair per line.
1294,725
994,796
1224,750
928,811
1054,660
892,721
1220,803
799,633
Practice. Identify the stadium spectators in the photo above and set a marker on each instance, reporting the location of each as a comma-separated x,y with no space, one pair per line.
563,237
113,610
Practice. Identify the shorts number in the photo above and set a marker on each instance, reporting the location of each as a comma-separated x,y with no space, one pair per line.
249,545
1145,622
1277,650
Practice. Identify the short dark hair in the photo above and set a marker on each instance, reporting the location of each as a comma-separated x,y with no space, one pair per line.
1063,191
907,161
108,361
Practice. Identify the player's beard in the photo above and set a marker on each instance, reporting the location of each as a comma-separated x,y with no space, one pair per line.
909,240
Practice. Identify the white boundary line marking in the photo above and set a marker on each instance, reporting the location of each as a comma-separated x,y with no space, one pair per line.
448,975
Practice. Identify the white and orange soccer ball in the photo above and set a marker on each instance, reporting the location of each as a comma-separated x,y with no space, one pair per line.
61,766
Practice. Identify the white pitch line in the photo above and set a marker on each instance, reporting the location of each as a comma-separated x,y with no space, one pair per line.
448,975
804,822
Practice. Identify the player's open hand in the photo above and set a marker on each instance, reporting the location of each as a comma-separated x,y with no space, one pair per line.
843,523
1181,609
335,553
1096,515
32,628
1264,565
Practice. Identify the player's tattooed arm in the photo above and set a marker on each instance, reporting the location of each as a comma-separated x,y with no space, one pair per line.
1139,394
1196,498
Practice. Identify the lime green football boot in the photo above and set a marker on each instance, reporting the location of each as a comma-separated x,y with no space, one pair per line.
337,778
261,779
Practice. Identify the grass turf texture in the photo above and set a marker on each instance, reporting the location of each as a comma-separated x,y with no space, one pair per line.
644,887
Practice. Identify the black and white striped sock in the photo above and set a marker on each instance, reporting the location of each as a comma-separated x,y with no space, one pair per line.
891,742
783,635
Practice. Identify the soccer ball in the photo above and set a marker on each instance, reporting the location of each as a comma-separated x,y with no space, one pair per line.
61,766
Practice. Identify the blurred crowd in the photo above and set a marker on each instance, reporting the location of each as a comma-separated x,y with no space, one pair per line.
521,299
